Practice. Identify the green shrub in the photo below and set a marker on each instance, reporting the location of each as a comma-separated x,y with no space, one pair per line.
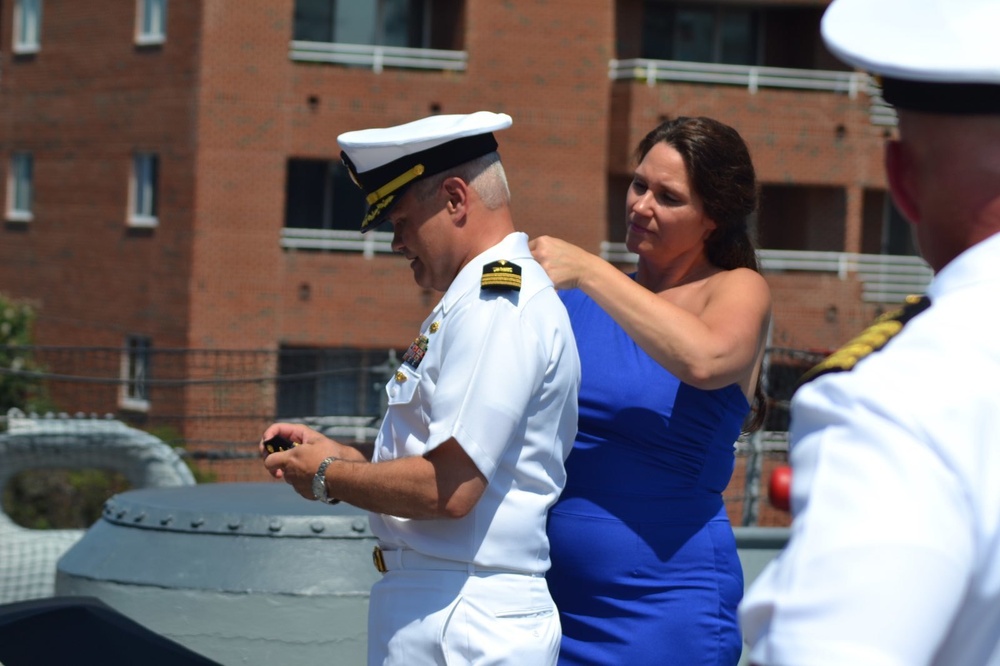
17,389
46,499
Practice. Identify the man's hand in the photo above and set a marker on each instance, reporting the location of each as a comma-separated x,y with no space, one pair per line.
298,465
444,483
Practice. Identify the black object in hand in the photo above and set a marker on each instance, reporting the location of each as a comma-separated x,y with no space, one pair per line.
278,443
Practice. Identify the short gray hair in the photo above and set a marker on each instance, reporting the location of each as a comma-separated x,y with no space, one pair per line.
484,174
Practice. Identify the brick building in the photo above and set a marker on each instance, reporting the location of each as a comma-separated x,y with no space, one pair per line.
173,181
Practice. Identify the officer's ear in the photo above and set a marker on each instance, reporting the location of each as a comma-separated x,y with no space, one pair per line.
901,171
456,197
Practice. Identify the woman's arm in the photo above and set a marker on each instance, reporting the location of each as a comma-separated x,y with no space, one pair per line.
717,342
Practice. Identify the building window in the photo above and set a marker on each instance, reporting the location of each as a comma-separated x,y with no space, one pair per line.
151,21
135,373
884,230
802,217
27,26
333,382
319,194
383,22
20,187
143,194
727,35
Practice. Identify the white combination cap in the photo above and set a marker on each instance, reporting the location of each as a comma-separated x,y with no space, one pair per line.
940,56
384,161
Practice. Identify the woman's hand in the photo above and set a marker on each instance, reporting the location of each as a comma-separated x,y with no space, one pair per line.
565,263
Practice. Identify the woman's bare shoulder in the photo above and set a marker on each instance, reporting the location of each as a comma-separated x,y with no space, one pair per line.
742,277
739,285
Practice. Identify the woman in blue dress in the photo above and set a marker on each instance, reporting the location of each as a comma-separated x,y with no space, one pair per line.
644,563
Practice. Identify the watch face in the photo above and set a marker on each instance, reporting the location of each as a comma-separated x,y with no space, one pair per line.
319,484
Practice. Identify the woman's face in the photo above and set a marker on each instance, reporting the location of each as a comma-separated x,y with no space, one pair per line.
665,216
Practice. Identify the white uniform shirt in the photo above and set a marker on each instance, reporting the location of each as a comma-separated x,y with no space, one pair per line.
500,374
894,555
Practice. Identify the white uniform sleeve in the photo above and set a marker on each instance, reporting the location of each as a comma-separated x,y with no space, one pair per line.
880,546
492,365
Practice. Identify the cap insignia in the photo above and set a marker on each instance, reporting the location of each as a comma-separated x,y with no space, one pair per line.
376,210
501,275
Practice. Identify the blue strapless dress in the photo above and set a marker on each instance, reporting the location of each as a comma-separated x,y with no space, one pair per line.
644,563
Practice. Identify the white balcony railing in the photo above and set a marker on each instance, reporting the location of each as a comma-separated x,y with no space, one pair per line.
753,78
885,278
378,57
332,239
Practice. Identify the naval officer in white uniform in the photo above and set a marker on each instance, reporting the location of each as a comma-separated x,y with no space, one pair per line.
482,411
894,557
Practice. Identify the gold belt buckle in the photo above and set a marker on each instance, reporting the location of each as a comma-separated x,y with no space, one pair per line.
378,560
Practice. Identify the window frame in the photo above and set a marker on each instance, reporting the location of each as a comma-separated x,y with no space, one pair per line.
135,363
334,215
144,194
379,20
21,187
333,378
150,22
718,13
27,26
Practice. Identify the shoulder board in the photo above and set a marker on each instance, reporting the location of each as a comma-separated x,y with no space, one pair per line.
501,275
872,339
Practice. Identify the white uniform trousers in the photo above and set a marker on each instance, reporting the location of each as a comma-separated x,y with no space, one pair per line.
420,617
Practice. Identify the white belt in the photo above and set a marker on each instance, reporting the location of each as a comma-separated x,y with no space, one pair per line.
393,560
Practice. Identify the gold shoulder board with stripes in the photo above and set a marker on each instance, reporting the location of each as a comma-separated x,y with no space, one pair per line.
874,338
501,275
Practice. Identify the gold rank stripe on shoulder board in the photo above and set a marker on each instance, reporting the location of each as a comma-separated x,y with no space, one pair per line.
872,339
501,275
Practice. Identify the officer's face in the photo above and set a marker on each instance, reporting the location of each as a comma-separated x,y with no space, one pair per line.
422,233
664,214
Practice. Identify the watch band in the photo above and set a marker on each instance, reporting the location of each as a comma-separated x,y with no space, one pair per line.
319,482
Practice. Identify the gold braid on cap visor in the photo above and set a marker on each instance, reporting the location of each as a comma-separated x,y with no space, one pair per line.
395,184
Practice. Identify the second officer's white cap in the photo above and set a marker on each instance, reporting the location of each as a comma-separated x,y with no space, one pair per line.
940,56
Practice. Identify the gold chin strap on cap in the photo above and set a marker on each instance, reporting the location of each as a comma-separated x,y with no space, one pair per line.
395,184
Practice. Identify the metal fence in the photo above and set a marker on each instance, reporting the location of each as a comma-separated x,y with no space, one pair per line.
213,405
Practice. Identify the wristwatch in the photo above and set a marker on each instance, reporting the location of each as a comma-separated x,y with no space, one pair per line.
319,482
